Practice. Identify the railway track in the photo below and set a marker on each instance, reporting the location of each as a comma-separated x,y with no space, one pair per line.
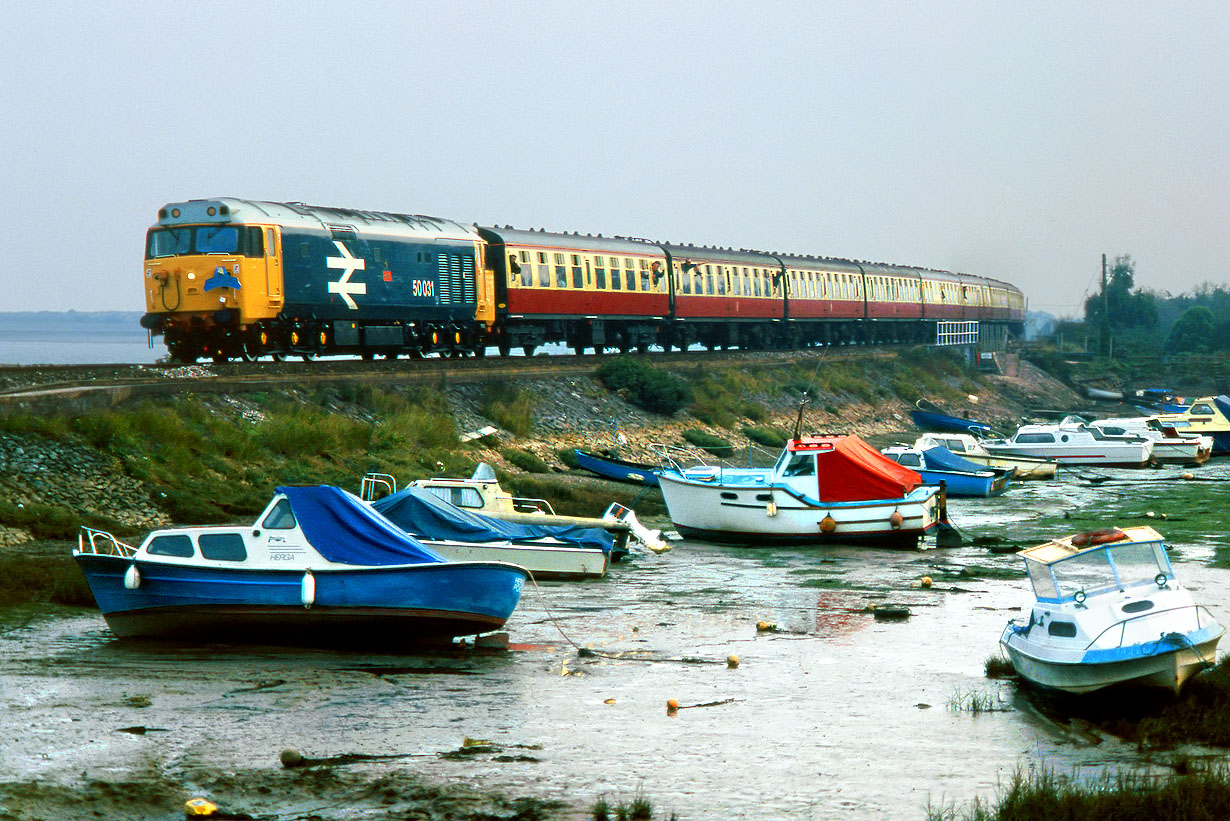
79,387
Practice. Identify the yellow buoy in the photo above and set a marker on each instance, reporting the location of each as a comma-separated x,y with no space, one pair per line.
199,806
672,706
925,581
732,661
765,626
828,524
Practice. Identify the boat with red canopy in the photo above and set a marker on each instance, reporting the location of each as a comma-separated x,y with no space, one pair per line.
825,488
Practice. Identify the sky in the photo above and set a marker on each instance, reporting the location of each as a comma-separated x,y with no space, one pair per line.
1014,140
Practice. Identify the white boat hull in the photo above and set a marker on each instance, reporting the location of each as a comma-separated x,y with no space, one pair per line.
1112,455
734,512
1168,670
1023,468
542,561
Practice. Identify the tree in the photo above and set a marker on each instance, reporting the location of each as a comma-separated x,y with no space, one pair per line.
1194,331
1126,309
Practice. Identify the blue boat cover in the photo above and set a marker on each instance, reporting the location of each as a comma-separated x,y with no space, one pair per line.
1223,404
943,423
345,530
941,458
425,515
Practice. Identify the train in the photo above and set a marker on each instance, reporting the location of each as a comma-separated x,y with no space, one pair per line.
231,278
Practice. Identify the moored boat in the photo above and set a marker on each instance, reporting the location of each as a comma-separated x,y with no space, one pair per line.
960,477
1072,442
831,488
970,448
317,567
1206,416
1168,446
558,551
926,416
621,470
1109,611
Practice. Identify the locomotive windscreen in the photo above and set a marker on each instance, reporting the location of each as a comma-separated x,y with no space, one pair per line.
244,240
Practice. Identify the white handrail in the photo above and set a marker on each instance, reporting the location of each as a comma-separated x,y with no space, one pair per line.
102,543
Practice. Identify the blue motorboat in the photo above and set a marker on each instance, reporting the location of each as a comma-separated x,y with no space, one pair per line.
928,417
621,470
317,567
960,476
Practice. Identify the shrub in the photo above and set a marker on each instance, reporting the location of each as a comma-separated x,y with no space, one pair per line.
766,437
525,460
644,385
568,456
714,444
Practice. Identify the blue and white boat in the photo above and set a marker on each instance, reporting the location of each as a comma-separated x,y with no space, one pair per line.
830,488
1109,611
317,567
960,476
1206,416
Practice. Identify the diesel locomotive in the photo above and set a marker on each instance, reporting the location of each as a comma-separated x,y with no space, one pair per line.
230,278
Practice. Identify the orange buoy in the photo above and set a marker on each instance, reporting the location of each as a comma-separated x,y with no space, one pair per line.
896,520
828,524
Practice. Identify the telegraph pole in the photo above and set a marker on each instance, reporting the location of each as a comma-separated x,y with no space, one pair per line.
1105,346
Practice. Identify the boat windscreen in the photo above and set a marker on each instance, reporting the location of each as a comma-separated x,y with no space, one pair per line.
1043,581
1089,572
1139,563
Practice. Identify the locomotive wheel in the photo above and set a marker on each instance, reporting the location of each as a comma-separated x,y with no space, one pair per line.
504,348
528,349
368,355
219,357
308,356
277,356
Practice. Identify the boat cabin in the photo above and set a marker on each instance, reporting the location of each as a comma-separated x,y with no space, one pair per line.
1087,564
841,468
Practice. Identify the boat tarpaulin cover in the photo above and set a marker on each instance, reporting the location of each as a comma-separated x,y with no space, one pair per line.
941,458
345,530
1223,404
425,515
854,471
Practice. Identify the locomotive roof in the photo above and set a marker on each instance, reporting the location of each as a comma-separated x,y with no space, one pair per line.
296,214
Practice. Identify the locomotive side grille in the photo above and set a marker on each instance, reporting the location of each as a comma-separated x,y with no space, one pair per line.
445,296
467,280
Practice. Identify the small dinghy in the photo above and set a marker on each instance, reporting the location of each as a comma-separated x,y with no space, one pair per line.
621,470
1109,611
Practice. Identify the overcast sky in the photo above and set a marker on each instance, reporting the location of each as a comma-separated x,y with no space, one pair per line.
1008,139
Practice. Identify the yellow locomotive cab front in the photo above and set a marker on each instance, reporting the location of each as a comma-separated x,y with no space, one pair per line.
208,283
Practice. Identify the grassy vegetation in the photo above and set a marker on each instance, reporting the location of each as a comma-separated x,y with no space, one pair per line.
54,579
639,809
644,385
1201,715
1122,797
525,460
767,437
508,406
998,667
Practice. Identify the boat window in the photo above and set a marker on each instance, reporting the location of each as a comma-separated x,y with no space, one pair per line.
1034,438
459,496
1043,581
1062,629
280,518
1201,410
1137,606
801,464
1138,563
764,497
728,495
1090,572
171,546
222,547
910,460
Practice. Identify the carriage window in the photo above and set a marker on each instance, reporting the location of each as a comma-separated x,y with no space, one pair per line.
542,256
600,278
222,547
561,276
685,280
756,284
180,546
525,256
544,276
630,279
708,281
721,281
644,279
578,277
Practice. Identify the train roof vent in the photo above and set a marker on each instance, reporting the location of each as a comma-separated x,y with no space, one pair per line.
341,230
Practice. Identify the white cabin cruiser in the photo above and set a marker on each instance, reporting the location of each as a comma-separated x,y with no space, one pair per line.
969,447
1109,611
1168,445
1072,442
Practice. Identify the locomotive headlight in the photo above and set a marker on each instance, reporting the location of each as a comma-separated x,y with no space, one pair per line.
191,275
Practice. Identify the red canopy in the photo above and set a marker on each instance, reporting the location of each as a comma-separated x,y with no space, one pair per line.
850,470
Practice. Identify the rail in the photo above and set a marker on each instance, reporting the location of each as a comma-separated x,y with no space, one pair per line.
102,543
372,482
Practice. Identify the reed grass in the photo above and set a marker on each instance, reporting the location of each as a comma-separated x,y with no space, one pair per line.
708,441
1121,796
508,406
975,702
